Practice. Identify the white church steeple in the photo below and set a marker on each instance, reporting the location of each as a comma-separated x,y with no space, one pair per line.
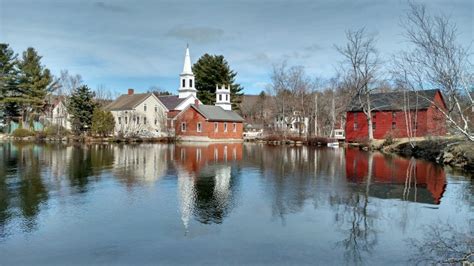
223,97
186,78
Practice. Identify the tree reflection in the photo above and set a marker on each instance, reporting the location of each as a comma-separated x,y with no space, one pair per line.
80,168
443,244
355,214
31,189
86,162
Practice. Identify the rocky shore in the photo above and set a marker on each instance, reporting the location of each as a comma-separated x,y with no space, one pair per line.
457,153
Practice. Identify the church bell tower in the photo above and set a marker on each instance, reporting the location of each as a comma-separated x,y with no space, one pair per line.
223,97
186,78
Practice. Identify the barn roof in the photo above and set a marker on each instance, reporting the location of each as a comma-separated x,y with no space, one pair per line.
391,101
127,102
170,101
216,113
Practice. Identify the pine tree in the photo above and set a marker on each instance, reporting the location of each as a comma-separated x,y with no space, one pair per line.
8,82
81,107
210,70
34,84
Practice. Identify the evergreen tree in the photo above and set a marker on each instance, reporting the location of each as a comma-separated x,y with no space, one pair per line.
210,70
81,106
8,82
103,122
35,82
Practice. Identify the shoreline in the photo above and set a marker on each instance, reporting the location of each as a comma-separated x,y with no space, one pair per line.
454,152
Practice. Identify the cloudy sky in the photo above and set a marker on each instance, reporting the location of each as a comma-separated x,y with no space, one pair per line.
138,44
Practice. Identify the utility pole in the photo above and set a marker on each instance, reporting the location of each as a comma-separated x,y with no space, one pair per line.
316,114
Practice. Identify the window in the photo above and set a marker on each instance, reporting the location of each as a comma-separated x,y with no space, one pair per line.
138,120
183,127
225,127
190,83
144,120
234,125
120,120
373,126
126,120
156,121
144,107
356,126
199,127
216,127
374,116
227,97
394,124
156,108
184,83
220,97
394,115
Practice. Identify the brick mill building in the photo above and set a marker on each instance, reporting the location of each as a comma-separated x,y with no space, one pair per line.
392,110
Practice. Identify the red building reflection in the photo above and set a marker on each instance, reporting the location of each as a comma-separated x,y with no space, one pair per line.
193,157
391,177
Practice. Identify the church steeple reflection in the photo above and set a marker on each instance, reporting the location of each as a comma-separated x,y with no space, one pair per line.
205,181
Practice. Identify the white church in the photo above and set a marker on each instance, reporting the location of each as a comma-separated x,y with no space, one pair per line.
152,115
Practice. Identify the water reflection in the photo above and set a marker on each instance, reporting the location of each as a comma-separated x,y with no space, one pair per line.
355,198
207,180
395,177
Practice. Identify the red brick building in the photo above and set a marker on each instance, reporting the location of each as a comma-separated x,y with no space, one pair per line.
390,119
200,122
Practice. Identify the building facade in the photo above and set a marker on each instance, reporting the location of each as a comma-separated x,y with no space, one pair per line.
399,115
208,123
140,114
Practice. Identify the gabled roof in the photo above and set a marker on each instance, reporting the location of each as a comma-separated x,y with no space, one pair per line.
216,113
127,102
392,101
170,101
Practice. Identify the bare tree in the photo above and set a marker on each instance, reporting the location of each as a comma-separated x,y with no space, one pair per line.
360,69
437,60
291,89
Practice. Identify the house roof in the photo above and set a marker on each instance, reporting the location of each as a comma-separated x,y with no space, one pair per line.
216,113
127,102
390,101
170,101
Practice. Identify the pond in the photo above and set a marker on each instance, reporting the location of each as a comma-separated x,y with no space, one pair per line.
223,203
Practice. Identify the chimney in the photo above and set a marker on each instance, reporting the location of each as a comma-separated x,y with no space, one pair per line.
196,102
130,91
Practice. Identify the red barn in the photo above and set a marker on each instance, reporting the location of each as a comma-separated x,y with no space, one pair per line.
199,122
389,116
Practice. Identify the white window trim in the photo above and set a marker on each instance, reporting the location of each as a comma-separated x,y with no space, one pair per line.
199,127
225,126
234,125
183,126
216,127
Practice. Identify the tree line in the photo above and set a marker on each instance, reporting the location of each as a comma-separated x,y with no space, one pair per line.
434,59
28,89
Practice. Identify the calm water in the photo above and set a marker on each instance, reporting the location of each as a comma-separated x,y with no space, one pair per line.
221,204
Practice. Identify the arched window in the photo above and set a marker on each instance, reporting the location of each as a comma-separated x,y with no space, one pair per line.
190,83
227,97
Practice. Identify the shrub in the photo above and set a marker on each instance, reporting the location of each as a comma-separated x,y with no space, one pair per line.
103,122
22,133
388,139
55,130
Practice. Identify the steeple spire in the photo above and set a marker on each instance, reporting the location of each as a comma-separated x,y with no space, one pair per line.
187,62
186,78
